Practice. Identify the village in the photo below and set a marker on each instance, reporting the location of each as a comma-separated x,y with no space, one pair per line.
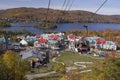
41,45
42,50
59,40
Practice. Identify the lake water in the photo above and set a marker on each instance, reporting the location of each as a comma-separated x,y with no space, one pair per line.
62,27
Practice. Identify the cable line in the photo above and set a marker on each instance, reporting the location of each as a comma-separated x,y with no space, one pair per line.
67,4
63,4
48,8
63,11
101,6
71,5
85,25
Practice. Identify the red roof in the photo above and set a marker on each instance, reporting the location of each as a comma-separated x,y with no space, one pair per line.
42,40
73,37
100,41
54,37
38,36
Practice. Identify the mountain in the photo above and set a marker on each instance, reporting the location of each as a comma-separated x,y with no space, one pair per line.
39,14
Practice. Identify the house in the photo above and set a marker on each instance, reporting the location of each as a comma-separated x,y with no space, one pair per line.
21,36
23,42
110,45
49,40
77,43
32,55
101,43
3,44
31,38
39,57
40,44
2,39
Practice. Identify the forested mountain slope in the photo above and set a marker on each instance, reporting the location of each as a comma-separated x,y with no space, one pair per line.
39,14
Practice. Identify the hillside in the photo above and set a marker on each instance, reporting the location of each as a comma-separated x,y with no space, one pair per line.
39,14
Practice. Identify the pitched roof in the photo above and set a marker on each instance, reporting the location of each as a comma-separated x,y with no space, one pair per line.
32,53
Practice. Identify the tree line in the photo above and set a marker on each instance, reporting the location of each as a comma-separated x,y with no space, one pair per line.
13,34
46,25
4,23
108,34
39,14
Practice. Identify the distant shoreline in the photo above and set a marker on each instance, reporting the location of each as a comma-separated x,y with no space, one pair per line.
75,16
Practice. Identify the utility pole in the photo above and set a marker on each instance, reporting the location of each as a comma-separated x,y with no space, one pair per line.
86,27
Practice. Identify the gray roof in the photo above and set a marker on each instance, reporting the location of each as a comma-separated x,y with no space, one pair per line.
32,53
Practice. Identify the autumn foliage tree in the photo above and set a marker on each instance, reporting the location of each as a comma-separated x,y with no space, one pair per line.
12,67
109,69
59,67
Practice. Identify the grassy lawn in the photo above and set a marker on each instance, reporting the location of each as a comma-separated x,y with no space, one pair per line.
69,58
66,57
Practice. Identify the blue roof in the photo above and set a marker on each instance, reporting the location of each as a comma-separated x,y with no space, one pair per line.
110,43
52,41
31,39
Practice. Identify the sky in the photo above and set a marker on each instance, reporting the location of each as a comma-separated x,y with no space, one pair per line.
112,7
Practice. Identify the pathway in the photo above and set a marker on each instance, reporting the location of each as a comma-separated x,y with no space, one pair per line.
81,65
33,76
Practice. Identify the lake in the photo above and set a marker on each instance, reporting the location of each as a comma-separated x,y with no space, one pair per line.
63,27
